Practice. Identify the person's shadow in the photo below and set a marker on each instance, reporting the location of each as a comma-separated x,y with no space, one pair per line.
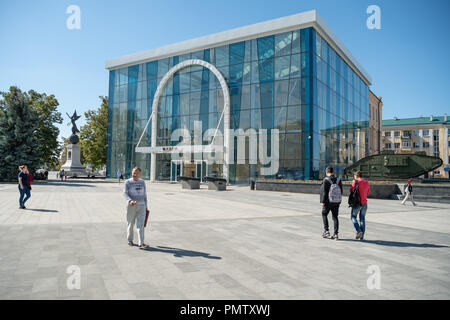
42,210
397,244
179,253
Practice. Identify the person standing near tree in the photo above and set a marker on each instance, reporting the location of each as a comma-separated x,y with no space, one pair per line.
24,190
136,195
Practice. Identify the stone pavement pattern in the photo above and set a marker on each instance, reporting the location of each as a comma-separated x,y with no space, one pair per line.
238,244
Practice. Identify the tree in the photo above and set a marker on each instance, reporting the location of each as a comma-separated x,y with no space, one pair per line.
93,135
17,134
45,107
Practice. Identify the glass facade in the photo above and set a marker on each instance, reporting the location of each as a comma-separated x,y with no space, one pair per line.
292,81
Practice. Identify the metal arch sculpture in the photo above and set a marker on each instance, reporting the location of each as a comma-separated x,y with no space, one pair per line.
226,110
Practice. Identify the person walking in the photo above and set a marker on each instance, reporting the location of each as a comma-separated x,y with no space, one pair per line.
408,193
119,175
61,174
24,189
330,199
361,208
136,195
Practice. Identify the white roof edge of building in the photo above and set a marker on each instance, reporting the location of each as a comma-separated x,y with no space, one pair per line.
292,22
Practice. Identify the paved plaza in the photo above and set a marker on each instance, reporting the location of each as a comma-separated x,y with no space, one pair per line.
237,244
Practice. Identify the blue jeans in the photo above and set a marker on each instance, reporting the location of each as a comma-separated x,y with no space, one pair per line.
24,192
361,226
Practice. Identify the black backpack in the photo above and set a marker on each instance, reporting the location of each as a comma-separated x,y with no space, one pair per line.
353,198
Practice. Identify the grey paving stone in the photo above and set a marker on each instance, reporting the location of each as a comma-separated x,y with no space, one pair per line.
207,245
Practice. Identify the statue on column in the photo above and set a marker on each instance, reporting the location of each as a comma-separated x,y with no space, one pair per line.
74,139
73,166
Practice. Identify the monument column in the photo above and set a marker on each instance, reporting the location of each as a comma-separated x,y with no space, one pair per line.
73,166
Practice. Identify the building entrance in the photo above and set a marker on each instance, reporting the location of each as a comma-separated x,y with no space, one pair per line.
176,169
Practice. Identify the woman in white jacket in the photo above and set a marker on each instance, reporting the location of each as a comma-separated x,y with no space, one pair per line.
408,193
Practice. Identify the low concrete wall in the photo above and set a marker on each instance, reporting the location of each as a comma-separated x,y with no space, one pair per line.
377,191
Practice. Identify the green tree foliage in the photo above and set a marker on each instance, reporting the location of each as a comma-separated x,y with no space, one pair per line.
18,139
45,107
28,134
93,135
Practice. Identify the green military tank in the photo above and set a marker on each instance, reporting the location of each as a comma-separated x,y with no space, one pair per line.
388,165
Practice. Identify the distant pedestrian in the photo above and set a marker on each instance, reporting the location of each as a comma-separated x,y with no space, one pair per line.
119,175
330,199
57,175
24,189
408,189
61,174
360,208
136,196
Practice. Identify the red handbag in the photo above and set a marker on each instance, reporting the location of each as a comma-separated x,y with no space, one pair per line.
147,212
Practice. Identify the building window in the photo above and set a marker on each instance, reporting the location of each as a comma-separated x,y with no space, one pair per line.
396,133
426,144
448,143
416,145
436,151
387,133
397,145
388,146
436,133
426,133
406,134
416,133
406,144
437,172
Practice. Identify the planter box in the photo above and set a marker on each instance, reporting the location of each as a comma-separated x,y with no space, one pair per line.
190,183
217,185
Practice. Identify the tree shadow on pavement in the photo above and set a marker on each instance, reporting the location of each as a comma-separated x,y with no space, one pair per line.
179,253
397,244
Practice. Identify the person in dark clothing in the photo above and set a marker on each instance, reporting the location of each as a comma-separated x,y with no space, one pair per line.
330,199
24,188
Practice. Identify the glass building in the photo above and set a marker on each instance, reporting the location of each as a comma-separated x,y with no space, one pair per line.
290,74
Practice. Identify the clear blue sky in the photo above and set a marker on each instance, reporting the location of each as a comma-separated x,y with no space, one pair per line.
408,59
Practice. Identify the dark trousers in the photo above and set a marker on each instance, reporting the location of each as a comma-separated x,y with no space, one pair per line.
334,208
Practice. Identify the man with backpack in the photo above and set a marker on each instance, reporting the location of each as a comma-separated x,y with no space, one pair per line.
330,199
359,191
